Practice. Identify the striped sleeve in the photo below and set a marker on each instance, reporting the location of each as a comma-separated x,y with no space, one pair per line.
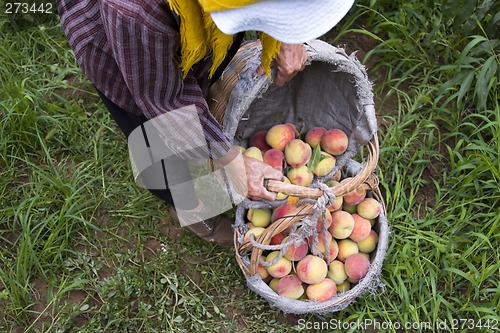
146,53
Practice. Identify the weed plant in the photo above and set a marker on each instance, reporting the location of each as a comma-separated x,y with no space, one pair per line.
83,249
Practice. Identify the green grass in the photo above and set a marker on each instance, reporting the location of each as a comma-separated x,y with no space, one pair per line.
82,248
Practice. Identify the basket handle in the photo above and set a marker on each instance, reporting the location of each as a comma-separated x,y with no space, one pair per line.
293,190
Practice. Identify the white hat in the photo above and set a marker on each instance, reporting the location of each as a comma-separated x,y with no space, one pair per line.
289,21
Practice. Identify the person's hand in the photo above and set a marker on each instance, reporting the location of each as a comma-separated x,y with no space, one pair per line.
257,172
247,174
291,60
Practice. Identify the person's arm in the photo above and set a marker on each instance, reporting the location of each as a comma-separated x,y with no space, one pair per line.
146,50
291,60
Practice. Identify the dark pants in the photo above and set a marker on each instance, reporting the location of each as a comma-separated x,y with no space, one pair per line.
178,168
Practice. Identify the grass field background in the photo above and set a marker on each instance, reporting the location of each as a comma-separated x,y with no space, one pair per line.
83,249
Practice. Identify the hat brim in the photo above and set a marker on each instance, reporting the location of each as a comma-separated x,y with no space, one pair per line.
289,21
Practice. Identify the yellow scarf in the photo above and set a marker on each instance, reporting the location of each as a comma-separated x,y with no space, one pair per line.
201,38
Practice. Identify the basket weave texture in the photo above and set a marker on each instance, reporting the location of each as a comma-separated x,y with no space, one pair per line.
333,91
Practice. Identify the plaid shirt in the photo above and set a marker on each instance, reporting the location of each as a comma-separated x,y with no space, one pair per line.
130,51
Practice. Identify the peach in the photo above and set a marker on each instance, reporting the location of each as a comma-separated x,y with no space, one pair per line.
321,291
342,224
249,214
347,247
278,136
366,255
274,158
296,253
280,195
264,274
354,197
369,208
281,268
261,217
297,153
343,287
353,209
336,205
325,165
368,244
361,230
273,283
282,211
293,128
312,269
290,286
250,225
256,231
313,136
334,142
300,176
337,176
330,243
319,224
258,140
336,271
277,239
356,266
254,152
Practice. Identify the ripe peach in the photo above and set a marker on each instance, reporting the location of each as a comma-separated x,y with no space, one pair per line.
254,152
334,141
319,224
361,228
261,217
256,231
300,176
273,283
354,197
343,287
356,266
277,239
297,153
353,209
336,271
321,291
264,274
342,224
325,165
281,268
249,214
337,204
368,244
290,286
274,158
313,136
311,269
280,195
250,225
337,176
347,247
296,253
278,136
369,208
282,211
258,140
330,243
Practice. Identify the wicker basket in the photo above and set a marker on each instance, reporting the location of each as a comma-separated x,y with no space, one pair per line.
232,98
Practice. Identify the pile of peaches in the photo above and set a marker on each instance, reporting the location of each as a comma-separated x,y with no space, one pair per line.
314,269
